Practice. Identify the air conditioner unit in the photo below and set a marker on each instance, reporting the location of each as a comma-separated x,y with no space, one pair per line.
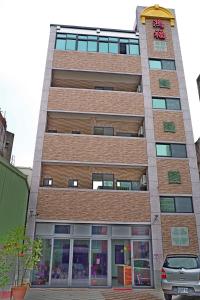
143,180
141,131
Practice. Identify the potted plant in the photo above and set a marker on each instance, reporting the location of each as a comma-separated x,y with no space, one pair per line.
23,254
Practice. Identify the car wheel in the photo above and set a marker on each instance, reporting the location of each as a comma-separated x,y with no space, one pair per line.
168,297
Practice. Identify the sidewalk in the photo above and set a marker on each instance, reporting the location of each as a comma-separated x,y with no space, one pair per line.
95,294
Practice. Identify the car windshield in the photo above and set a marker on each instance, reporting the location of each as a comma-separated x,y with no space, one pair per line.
181,262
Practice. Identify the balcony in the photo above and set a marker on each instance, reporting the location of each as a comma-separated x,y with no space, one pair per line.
91,205
94,177
74,123
102,62
96,101
96,149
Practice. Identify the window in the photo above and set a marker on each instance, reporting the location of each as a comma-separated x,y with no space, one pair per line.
128,185
62,229
160,46
176,204
99,230
92,43
174,177
48,182
164,83
102,181
73,183
103,131
139,230
171,150
163,64
166,103
169,127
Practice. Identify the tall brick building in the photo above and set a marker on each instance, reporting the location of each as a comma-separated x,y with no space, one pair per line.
115,182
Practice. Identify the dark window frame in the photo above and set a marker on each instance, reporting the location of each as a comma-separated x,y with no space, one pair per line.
47,178
166,99
171,150
103,180
161,61
175,205
72,186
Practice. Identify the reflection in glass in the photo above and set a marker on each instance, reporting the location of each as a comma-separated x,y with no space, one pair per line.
141,263
40,276
60,264
99,263
80,268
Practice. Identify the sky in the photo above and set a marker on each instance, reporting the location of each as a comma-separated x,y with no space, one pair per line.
24,31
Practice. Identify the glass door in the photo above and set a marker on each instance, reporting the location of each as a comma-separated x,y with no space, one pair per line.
99,262
60,262
80,264
141,263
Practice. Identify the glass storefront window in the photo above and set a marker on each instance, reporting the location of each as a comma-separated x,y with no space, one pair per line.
141,263
140,230
60,263
40,275
99,265
80,268
96,230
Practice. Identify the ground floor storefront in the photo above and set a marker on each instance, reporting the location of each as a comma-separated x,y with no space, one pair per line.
91,255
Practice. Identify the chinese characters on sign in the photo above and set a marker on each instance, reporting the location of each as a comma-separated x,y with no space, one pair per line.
159,34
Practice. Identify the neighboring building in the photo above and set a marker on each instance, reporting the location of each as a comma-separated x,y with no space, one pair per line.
28,172
6,139
14,192
198,85
197,145
115,182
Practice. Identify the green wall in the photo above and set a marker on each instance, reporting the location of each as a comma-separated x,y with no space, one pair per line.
13,197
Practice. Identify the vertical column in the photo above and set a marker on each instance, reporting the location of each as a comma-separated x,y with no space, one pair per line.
191,152
31,217
157,248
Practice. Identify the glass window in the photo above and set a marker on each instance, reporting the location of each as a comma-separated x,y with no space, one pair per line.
99,263
71,36
48,182
178,150
102,181
60,44
92,46
104,131
113,39
62,229
103,47
160,46
134,49
103,38
140,230
183,204
186,262
168,65
71,45
167,204
40,275
164,83
155,64
173,104
122,48
124,185
159,103
61,35
108,131
124,40
82,37
82,46
98,229
92,37
113,48
73,183
163,150
134,41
